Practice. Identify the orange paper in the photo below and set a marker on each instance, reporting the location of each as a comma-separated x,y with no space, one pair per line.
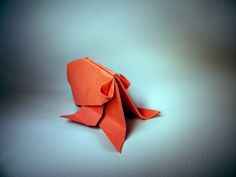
102,95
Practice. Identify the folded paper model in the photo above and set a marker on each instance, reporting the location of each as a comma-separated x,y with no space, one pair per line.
102,95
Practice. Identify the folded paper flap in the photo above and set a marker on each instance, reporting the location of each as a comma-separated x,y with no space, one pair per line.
107,90
87,115
131,106
90,84
113,121
126,83
147,113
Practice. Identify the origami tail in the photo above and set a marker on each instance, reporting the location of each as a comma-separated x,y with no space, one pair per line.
87,115
113,121
129,103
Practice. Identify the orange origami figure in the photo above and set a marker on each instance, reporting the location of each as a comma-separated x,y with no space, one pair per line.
102,94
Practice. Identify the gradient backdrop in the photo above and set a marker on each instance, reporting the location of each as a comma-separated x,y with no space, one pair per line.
179,56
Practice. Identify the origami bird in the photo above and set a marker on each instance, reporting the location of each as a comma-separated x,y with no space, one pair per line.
102,95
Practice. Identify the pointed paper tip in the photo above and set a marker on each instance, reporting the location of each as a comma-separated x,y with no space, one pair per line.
65,116
158,113
119,147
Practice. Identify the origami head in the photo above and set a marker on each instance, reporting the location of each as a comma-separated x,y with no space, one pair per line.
91,84
102,94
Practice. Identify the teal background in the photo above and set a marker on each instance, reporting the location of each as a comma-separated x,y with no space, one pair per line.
179,56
